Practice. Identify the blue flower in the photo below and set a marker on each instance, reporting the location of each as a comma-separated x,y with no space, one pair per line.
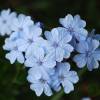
58,40
6,18
64,77
21,23
20,26
42,67
89,54
14,54
40,59
86,98
94,36
29,39
40,81
75,26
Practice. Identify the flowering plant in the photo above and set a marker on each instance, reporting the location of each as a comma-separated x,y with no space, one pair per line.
47,56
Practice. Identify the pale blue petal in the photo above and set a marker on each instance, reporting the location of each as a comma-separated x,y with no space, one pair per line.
63,67
22,45
96,54
67,21
66,54
64,37
20,57
55,34
78,21
92,63
29,51
97,37
27,21
49,61
72,76
48,35
37,88
82,47
11,56
93,44
68,48
14,36
31,62
49,64
5,13
96,64
55,83
80,60
37,31
81,34
30,78
68,86
9,45
47,90
35,72
59,54
57,88
38,53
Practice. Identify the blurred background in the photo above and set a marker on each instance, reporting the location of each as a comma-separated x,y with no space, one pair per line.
13,83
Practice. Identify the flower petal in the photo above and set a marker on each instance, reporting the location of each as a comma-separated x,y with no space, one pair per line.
68,86
11,56
37,88
59,54
80,60
47,90
66,21
92,64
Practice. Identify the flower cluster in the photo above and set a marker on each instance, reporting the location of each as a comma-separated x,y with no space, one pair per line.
46,56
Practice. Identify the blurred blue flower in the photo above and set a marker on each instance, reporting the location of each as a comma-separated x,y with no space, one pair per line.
86,98
20,26
94,36
6,18
89,54
40,81
40,59
75,26
29,39
58,40
14,54
64,77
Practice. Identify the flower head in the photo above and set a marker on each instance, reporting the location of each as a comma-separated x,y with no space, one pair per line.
58,40
20,26
14,53
41,83
6,18
75,26
64,77
89,54
40,59
29,39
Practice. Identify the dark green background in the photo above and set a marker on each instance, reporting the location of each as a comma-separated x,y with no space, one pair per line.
13,83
